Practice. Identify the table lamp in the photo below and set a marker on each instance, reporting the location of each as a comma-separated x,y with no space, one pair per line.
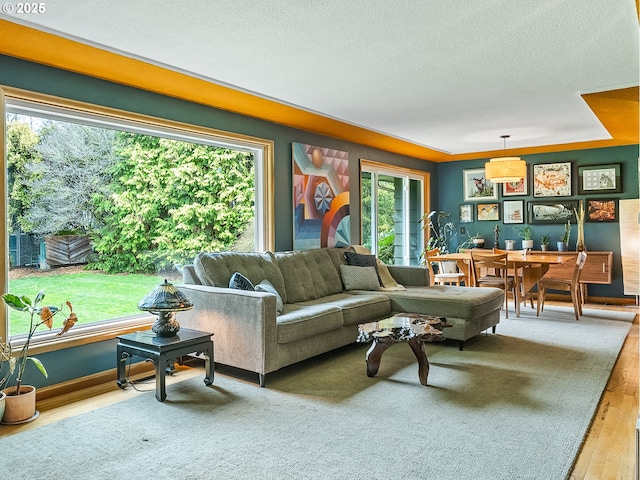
163,301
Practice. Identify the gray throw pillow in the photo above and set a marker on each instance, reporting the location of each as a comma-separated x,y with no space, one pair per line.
265,286
359,278
361,260
240,282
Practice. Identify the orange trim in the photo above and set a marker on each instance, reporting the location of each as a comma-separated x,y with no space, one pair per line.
52,50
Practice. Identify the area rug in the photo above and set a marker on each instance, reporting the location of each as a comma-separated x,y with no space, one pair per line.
514,405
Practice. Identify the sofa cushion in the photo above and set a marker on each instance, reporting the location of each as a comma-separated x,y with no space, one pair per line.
308,274
361,260
301,321
215,269
447,301
359,278
363,308
265,286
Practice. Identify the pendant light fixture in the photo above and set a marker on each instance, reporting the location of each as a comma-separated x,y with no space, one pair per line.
505,169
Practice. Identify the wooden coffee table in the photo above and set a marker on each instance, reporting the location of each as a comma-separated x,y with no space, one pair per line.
412,328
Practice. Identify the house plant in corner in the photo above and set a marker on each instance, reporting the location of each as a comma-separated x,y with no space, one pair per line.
441,232
20,401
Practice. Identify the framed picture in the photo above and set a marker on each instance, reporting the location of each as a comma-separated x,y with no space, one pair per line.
515,188
559,211
488,211
513,211
552,180
601,210
466,213
599,179
477,187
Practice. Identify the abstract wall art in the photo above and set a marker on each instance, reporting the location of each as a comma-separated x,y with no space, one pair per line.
320,197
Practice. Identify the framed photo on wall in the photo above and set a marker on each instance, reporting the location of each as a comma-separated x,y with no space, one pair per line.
515,188
466,213
553,212
488,212
513,211
601,210
476,187
552,180
599,179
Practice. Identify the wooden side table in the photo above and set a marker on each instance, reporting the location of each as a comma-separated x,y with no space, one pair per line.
161,351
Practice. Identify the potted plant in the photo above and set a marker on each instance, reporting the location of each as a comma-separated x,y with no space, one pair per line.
563,244
441,232
526,233
21,399
474,241
544,242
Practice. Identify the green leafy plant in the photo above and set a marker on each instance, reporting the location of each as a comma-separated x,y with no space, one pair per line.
40,315
468,243
544,239
441,230
525,232
567,232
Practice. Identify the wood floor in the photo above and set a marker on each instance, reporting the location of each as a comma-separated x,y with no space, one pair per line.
608,453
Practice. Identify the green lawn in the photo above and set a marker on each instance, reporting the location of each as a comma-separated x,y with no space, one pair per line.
95,296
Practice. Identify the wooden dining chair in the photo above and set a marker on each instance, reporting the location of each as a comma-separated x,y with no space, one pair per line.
571,285
492,270
524,296
441,278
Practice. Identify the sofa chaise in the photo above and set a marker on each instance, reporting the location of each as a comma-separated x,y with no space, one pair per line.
312,301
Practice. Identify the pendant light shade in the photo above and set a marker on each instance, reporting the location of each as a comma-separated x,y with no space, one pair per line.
505,169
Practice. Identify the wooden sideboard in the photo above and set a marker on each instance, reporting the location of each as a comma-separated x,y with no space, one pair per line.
597,268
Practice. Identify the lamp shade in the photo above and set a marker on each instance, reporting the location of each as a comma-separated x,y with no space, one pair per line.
505,169
165,298
163,301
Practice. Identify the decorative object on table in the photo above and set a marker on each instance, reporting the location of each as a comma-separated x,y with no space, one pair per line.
20,402
544,242
509,244
526,233
563,244
488,212
496,236
552,180
321,204
513,211
163,301
599,179
466,213
602,210
552,211
580,222
505,169
474,241
441,230
476,187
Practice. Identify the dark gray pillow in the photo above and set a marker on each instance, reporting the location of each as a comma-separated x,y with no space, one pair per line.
240,282
361,260
265,286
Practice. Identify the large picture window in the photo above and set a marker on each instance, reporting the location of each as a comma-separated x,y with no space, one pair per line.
103,205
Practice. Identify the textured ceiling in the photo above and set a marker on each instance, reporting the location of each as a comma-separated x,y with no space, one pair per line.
449,75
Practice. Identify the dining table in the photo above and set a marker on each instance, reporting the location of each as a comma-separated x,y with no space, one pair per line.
528,267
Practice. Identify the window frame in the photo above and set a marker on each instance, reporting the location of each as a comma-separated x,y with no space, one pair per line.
377,168
91,114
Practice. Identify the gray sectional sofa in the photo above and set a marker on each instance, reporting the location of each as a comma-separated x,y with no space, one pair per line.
318,313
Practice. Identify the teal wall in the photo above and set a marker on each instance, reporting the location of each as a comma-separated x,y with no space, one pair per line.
446,178
598,236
